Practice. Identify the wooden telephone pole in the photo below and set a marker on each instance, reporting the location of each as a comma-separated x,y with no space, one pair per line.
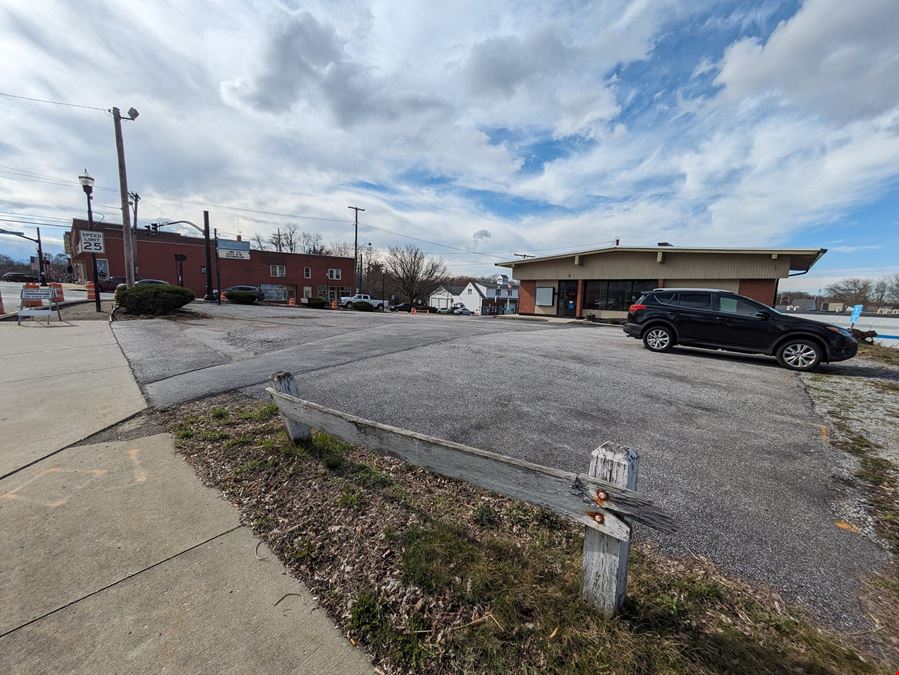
123,191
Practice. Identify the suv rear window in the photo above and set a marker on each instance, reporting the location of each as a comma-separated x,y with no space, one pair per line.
692,300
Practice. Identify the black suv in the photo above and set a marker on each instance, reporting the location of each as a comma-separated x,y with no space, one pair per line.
699,317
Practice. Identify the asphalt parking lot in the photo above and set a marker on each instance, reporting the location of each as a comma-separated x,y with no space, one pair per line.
729,444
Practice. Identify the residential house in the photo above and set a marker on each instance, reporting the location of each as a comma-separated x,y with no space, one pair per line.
491,298
447,297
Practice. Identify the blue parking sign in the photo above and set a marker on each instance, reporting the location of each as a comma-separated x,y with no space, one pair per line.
856,312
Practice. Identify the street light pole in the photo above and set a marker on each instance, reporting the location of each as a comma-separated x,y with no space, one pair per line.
87,183
218,269
205,230
41,277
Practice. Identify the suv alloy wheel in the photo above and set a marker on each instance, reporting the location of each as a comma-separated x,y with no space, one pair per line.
799,354
658,339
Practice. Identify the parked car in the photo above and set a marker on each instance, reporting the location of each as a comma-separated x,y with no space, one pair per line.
110,284
19,277
349,300
402,307
463,311
715,319
145,282
260,295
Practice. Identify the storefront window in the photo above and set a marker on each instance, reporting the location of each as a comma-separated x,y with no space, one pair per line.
616,294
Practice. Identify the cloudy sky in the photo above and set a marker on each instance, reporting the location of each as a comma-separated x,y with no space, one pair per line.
480,129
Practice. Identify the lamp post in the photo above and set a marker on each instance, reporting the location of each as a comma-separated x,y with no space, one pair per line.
87,184
205,231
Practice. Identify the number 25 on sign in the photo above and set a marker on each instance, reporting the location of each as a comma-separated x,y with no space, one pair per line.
91,242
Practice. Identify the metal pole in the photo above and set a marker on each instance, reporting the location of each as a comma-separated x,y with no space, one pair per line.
356,247
123,190
90,222
135,198
208,295
218,268
41,277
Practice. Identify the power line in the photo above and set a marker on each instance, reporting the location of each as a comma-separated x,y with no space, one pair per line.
43,100
496,254
29,222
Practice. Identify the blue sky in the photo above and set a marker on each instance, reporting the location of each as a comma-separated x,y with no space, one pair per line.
481,130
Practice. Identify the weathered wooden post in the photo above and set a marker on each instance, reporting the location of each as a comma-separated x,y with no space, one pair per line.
284,383
605,557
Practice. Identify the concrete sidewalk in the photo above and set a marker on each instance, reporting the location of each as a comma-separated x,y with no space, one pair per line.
59,384
117,559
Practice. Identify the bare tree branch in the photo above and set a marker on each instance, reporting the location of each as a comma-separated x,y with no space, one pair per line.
415,274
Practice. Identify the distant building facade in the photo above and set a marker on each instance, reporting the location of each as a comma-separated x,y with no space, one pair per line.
280,275
446,297
604,282
499,297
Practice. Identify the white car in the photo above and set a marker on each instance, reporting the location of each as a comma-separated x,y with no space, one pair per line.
348,300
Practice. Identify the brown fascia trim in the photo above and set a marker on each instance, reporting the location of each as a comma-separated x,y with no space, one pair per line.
817,252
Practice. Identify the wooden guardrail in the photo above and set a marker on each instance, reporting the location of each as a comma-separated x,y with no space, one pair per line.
603,499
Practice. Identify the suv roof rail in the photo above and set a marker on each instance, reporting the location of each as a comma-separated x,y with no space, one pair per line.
714,290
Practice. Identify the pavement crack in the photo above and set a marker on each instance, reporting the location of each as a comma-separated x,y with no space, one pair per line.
118,581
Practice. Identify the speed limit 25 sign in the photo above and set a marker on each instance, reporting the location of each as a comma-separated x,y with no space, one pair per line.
91,242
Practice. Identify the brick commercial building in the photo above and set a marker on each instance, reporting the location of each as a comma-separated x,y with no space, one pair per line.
280,275
604,282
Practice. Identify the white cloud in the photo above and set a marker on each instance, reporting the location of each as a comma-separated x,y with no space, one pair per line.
284,110
834,58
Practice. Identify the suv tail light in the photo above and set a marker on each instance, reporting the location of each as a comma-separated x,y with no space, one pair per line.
636,308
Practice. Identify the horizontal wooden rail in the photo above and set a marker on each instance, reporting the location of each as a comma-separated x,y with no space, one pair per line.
561,491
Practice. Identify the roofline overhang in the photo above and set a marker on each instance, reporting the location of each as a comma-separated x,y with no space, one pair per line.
816,252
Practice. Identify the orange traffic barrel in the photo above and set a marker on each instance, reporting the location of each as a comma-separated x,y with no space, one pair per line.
58,293
91,293
292,302
333,304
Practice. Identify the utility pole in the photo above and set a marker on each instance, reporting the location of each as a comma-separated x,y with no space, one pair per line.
135,198
356,247
123,191
208,297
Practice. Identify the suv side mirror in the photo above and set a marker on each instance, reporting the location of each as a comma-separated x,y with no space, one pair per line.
762,314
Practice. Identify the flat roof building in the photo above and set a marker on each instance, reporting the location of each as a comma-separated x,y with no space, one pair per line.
604,282
280,275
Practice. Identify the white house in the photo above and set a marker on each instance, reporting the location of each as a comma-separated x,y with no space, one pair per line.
446,297
491,298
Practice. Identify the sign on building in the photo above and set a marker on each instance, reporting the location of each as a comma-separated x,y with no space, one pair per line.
91,242
232,249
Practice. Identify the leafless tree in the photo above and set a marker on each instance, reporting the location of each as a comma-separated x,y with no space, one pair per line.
341,248
290,238
879,292
311,243
276,239
852,291
892,283
415,274
259,242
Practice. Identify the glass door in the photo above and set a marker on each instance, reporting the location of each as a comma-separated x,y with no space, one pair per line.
567,305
